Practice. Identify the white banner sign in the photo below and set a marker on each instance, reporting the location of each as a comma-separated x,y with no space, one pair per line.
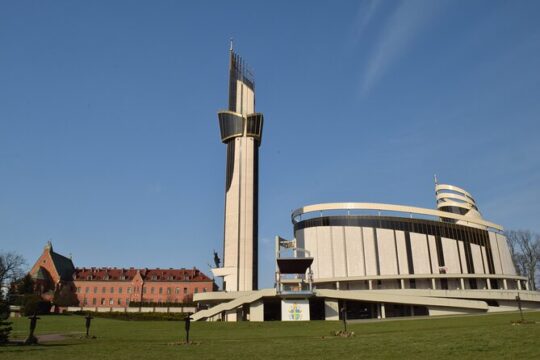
294,310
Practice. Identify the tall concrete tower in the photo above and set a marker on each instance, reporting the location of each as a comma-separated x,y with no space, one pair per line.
241,130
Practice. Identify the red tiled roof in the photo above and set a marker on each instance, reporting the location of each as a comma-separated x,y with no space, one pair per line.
121,274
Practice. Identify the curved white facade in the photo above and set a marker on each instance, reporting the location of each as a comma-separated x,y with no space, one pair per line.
359,246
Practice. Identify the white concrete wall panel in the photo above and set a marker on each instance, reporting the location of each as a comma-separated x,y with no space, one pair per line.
402,252
420,253
369,251
311,244
338,250
477,259
387,252
484,257
463,258
495,252
433,253
355,251
325,253
451,258
300,242
506,258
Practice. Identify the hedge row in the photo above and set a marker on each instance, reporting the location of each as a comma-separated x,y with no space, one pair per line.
135,316
32,304
161,304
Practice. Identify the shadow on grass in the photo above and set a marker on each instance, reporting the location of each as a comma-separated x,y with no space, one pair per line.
19,346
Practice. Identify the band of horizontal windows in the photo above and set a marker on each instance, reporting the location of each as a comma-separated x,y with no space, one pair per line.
233,125
230,124
254,125
421,226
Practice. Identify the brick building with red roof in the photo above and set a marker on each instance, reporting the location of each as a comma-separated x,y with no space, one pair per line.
114,287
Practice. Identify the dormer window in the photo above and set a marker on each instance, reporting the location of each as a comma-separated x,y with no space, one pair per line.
106,277
89,277
154,277
122,277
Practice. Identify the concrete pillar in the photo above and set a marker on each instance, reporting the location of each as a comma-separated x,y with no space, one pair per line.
337,285
331,309
231,315
383,311
518,284
462,283
433,284
256,311
505,284
527,285
488,282
402,283
370,284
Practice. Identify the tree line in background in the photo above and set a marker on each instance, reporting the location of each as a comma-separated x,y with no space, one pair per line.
11,269
525,250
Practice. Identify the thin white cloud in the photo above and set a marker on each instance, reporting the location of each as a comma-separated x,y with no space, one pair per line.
366,11
407,20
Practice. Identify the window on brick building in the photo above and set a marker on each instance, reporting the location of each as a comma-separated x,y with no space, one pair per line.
129,290
185,290
154,277
196,290
95,290
111,302
78,290
161,290
104,290
85,302
94,301
102,301
144,290
112,290
168,291
151,290
119,290
177,291
87,290
119,301
204,290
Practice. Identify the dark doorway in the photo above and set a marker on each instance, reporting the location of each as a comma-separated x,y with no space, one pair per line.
358,310
316,309
272,310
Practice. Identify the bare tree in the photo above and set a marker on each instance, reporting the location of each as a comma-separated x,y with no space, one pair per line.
525,251
11,268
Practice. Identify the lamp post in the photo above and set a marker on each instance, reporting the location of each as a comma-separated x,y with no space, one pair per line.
88,322
518,299
344,316
187,325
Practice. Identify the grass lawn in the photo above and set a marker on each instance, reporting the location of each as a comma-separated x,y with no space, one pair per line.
468,337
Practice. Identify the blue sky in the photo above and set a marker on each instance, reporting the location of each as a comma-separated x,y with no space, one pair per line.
109,141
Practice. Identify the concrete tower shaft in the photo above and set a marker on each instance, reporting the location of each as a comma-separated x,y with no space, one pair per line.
241,131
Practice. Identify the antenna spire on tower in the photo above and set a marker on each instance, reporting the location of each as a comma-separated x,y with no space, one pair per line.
435,179
231,42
